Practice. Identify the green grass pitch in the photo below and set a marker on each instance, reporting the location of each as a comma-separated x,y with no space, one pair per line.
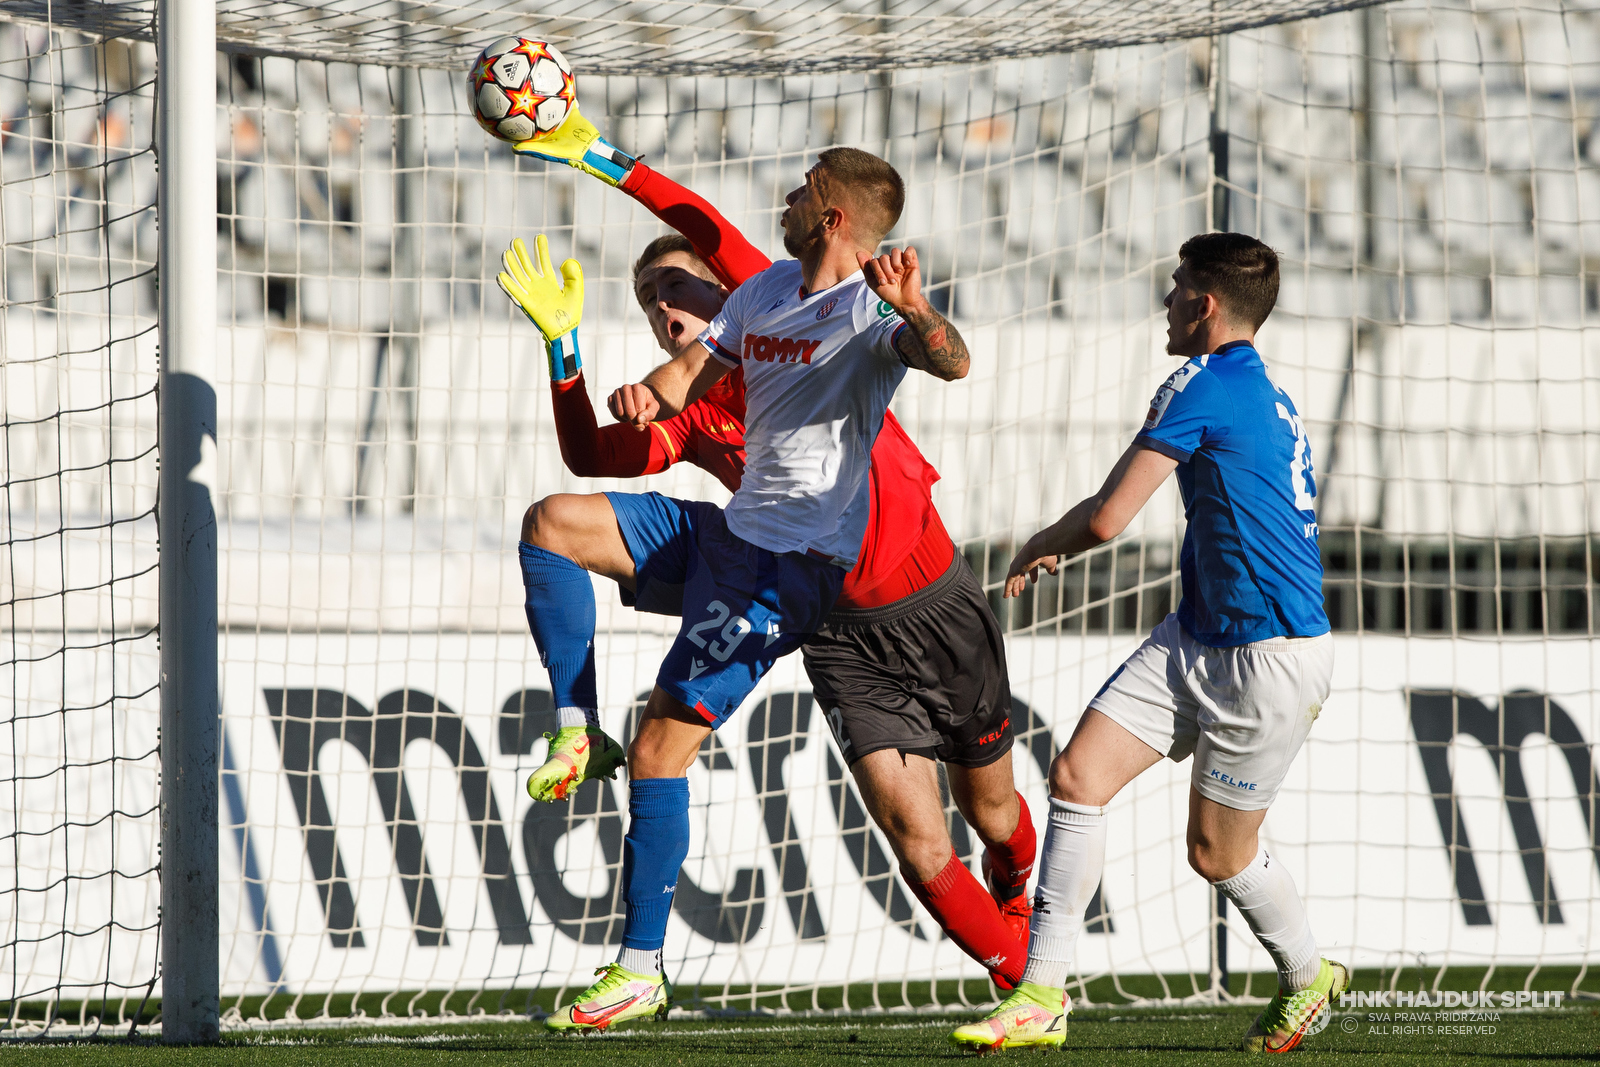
1102,1035
1570,1035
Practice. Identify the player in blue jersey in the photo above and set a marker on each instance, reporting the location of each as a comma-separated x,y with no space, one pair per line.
1235,677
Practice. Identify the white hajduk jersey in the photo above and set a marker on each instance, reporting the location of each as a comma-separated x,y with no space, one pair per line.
819,372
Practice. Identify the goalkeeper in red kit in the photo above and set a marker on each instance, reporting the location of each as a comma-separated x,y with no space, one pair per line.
910,666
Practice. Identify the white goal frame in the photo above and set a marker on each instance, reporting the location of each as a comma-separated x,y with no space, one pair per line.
186,99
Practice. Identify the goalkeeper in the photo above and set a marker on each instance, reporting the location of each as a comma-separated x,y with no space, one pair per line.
892,715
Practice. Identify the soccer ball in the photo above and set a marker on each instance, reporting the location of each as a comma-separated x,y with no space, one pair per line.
520,89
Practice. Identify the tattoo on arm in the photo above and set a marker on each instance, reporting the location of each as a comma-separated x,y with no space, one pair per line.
933,345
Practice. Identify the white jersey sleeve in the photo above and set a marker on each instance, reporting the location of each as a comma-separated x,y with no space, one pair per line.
724,337
880,324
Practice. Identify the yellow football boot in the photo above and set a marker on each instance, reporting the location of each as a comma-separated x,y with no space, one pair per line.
618,996
577,754
1033,1015
1289,1017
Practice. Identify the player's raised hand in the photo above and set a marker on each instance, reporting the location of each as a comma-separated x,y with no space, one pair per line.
636,405
932,344
577,143
1025,568
895,277
553,302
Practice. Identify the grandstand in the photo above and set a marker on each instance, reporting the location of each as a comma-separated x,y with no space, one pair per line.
1443,246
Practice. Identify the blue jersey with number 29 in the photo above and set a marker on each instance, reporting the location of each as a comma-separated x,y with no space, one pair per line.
1250,564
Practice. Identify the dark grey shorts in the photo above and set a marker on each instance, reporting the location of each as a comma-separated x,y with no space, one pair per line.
923,675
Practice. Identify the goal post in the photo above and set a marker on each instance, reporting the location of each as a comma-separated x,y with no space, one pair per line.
186,267
352,422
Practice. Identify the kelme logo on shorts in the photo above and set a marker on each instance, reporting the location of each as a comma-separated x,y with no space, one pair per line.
1228,779
764,349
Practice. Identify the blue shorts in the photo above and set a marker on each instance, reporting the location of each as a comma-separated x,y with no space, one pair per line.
743,607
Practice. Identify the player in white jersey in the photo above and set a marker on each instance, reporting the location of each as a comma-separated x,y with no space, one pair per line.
819,370
824,340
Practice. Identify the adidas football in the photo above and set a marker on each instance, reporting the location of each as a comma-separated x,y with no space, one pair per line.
521,89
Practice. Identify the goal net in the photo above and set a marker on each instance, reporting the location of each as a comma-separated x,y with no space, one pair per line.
1427,171
79,890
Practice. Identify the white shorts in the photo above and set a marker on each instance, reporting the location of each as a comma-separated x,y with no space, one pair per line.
1243,712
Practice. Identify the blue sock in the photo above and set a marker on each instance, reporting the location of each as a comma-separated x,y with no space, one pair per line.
652,853
560,609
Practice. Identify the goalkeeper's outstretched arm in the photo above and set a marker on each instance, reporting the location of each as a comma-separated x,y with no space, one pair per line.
718,242
593,451
554,303
578,144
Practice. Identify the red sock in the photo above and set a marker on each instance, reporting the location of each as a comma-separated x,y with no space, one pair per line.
1012,862
969,915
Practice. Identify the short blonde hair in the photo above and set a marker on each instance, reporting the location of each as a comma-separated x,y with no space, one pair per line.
872,186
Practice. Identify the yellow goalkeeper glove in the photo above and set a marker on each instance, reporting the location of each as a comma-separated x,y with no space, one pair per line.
577,143
554,307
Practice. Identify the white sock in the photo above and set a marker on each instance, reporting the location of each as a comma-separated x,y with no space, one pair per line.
1070,865
640,960
566,717
1265,895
